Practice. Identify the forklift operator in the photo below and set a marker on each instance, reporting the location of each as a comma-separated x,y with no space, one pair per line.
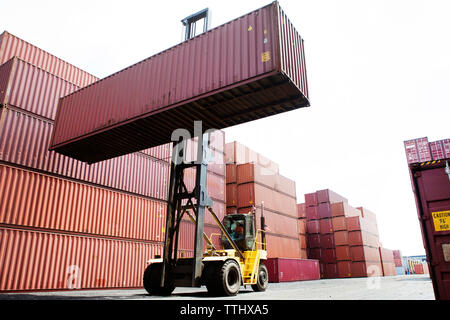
238,232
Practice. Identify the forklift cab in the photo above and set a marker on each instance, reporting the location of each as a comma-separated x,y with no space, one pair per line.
241,228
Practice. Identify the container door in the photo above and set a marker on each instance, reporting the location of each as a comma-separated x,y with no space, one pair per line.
433,198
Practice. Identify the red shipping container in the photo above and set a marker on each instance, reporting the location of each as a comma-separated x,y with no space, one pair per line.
343,253
301,209
311,199
339,223
271,53
326,226
362,238
231,195
312,226
398,262
237,153
366,269
315,253
314,240
331,271
24,140
329,196
11,46
344,269
437,150
324,210
25,86
231,210
301,226
312,213
36,260
329,255
341,238
46,202
327,241
343,209
417,150
364,253
231,173
250,194
418,268
283,270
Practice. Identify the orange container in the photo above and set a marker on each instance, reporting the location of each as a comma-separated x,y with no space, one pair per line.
341,238
275,223
339,223
282,247
301,208
339,209
301,226
362,238
364,253
250,194
362,224
231,195
343,253
366,269
388,269
302,241
344,269
231,173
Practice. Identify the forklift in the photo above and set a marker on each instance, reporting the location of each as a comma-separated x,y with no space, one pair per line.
222,270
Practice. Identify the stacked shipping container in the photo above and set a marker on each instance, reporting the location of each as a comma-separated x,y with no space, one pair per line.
251,179
343,238
65,224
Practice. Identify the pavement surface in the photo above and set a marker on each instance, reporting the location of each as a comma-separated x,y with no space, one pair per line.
407,287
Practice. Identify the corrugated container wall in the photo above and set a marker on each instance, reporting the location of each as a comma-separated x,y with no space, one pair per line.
34,260
254,68
12,46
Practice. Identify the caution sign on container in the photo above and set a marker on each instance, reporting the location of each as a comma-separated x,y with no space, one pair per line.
441,220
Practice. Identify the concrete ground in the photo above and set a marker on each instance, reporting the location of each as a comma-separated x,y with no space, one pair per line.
408,287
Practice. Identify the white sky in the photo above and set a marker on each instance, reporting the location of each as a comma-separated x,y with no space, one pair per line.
378,72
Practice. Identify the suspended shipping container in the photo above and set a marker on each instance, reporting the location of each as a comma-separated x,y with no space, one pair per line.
255,68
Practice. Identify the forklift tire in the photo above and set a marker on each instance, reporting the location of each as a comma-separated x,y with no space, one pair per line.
152,278
263,279
228,279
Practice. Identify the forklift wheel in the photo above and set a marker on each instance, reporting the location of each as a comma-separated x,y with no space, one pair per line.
152,278
263,279
225,280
